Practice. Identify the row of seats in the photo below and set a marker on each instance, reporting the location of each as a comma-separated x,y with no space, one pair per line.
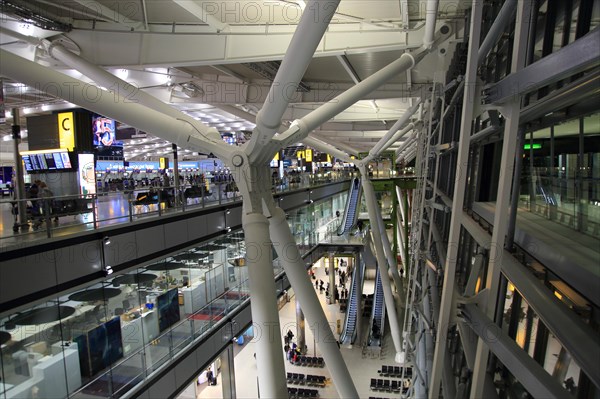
299,379
302,393
310,361
387,385
395,371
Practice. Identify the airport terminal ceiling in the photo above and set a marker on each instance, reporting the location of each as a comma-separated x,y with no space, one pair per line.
215,61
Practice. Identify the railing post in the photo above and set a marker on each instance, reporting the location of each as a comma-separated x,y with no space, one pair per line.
94,208
158,202
130,210
47,217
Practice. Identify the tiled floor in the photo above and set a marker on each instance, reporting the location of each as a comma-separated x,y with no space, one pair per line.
362,369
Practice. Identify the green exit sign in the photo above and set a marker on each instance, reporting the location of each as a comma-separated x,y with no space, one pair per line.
534,146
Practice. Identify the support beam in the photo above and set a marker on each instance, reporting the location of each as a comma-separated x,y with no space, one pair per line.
193,136
295,269
458,200
120,87
196,9
308,34
578,56
391,137
504,17
511,129
430,19
354,76
528,372
369,194
265,315
100,11
228,372
579,339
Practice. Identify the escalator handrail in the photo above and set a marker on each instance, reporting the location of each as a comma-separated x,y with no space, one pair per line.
354,193
357,277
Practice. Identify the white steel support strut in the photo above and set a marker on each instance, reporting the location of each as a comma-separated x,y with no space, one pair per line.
295,270
302,127
315,20
458,201
509,143
265,315
382,263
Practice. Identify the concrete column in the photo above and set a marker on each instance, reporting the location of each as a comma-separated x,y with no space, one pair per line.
178,197
295,269
228,373
18,183
300,336
331,278
265,316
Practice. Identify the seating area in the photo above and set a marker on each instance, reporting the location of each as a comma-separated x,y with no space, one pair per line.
308,380
149,198
297,393
386,385
395,371
310,361
196,192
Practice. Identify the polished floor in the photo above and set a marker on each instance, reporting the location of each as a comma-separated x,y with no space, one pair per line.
362,368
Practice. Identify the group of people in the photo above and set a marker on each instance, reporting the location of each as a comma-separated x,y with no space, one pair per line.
39,201
340,292
291,349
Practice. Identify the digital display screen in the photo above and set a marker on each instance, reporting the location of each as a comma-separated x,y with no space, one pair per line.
105,132
50,161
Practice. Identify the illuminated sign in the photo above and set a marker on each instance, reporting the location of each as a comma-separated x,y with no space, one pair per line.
534,146
87,174
309,155
66,130
163,163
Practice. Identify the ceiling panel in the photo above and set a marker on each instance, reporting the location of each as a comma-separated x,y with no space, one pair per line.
326,69
367,64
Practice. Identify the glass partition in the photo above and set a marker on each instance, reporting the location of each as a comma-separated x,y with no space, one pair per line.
561,174
103,339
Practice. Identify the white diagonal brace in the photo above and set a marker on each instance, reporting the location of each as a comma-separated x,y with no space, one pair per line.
178,131
390,137
123,89
308,34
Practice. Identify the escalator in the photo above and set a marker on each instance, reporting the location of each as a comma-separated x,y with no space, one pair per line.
351,212
377,319
350,330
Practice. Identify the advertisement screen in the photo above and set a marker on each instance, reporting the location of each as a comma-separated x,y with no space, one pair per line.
104,131
87,174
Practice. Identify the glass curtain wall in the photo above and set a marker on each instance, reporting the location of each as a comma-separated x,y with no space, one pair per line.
561,174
